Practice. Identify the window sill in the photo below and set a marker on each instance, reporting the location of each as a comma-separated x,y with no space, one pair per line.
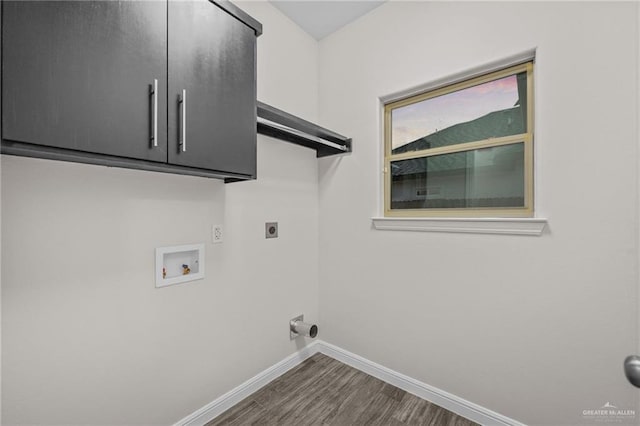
508,226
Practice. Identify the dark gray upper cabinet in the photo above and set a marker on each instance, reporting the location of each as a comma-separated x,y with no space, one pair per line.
103,81
77,75
212,89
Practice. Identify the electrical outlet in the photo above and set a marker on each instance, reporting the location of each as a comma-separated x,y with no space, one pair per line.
271,230
216,234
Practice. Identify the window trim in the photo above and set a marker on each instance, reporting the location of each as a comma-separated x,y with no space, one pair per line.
526,138
533,226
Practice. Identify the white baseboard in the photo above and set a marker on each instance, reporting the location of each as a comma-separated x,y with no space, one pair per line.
234,396
432,394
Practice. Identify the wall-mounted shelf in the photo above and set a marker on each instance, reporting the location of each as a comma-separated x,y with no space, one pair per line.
282,125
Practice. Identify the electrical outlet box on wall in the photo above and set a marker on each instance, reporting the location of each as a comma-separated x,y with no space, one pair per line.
179,264
217,234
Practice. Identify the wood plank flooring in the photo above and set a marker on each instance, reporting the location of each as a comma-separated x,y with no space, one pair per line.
323,391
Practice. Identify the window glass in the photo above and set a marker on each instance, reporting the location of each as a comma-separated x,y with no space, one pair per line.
493,109
464,149
487,177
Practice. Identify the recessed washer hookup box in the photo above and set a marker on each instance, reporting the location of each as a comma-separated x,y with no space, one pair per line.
179,264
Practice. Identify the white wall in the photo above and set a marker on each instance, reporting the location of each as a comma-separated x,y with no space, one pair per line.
87,339
535,328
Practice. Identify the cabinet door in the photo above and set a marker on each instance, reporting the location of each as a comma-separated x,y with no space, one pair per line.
78,74
211,61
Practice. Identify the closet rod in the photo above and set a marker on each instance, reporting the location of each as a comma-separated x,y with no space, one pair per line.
282,125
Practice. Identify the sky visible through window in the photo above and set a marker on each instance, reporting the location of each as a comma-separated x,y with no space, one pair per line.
431,115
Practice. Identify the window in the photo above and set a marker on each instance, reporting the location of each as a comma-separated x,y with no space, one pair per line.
462,150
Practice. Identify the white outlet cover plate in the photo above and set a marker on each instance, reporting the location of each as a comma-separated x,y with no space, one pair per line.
217,234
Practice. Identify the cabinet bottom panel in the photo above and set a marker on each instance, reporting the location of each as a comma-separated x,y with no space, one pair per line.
50,153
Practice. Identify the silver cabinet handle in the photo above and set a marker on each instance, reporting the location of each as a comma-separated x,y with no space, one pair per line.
154,112
183,124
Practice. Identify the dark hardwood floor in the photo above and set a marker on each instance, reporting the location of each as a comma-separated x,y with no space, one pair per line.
323,391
